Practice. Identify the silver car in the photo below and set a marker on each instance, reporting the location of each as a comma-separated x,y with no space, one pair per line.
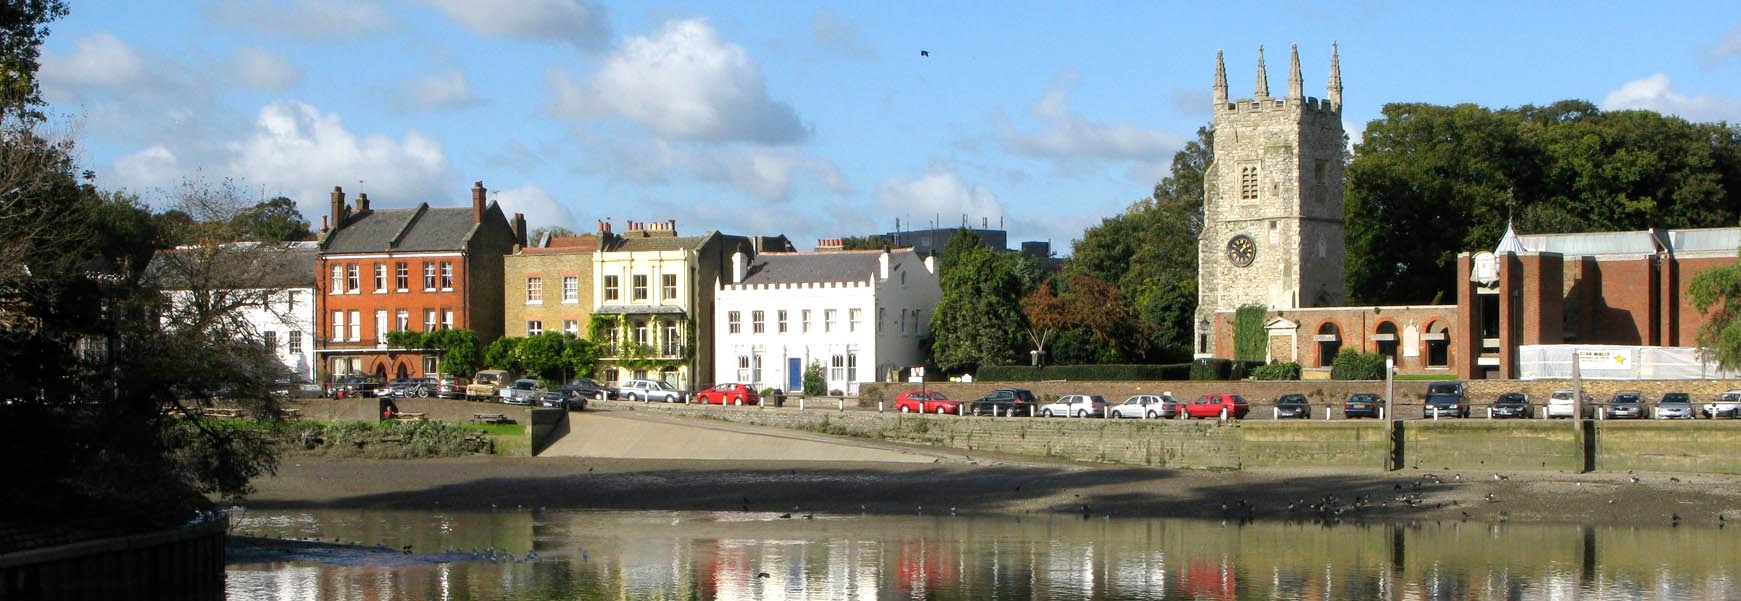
1674,405
1075,405
1147,406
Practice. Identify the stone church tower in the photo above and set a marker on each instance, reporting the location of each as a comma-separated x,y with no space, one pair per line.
1272,202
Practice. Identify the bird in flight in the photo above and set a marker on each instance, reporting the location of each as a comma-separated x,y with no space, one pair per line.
924,53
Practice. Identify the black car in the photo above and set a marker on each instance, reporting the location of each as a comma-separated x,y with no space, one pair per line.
1448,398
556,400
1511,405
1294,406
1362,404
1004,401
587,388
355,386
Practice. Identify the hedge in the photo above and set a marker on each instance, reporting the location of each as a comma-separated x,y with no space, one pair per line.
1351,364
1106,372
1276,371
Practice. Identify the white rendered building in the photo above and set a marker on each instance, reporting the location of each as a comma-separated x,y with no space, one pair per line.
270,288
862,315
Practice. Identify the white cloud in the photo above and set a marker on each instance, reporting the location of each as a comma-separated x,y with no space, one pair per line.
446,91
257,68
1066,136
939,191
583,24
307,19
771,174
296,149
154,167
1727,47
682,82
1657,93
540,209
99,60
828,30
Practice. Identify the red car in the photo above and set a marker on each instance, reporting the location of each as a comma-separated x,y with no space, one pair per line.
923,401
1212,405
729,394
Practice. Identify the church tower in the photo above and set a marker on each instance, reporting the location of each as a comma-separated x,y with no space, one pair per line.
1272,201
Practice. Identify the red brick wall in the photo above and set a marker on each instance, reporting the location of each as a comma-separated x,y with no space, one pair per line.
1618,295
1685,319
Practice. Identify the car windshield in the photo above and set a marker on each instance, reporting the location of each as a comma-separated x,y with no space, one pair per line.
1562,395
1098,399
1626,397
1442,388
1291,399
1675,397
1135,400
525,384
1512,398
1363,398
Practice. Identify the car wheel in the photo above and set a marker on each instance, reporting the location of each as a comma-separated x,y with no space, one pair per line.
739,402
1153,415
906,409
1047,413
940,410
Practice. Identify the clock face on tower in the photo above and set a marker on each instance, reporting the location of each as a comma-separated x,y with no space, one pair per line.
1241,250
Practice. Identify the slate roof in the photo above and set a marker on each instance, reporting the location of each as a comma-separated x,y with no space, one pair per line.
403,230
657,243
816,267
245,265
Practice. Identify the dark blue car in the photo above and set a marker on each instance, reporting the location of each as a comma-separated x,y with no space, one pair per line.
1362,404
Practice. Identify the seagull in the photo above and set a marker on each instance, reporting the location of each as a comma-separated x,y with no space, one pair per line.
924,53
1499,476
1673,479
762,575
1634,479
785,516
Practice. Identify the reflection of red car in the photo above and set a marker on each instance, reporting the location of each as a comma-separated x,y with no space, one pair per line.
729,394
923,401
1212,405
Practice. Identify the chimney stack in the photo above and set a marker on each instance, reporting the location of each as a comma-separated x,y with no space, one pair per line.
739,265
478,201
883,263
338,207
520,228
362,202
323,226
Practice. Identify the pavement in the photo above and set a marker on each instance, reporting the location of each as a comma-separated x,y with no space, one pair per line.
608,434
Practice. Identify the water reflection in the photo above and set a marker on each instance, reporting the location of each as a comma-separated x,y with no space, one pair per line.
698,555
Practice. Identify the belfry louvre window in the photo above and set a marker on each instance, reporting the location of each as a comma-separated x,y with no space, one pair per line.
1248,183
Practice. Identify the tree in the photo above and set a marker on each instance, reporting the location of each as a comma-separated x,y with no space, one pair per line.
542,356
1716,293
581,356
979,319
503,354
1046,315
1428,182
458,348
23,27
555,231
815,380
871,242
276,220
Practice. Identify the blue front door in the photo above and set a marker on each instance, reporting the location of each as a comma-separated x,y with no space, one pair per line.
794,374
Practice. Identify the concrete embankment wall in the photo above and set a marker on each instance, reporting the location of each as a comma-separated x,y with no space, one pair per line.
1476,444
178,563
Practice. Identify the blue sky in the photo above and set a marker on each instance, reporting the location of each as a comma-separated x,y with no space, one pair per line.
813,120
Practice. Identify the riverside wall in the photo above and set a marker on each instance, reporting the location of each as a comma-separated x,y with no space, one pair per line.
1699,446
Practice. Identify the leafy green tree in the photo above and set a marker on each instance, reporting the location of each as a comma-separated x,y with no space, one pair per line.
581,356
542,356
1716,293
815,380
459,350
555,231
276,220
503,354
1249,336
23,27
979,319
871,242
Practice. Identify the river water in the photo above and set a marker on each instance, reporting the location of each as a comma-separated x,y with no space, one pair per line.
749,555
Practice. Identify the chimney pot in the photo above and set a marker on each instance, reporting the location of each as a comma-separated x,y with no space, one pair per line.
363,202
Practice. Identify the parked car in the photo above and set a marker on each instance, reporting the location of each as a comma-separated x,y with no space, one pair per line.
1147,406
297,389
729,394
1726,404
1447,399
554,399
485,385
1075,405
352,386
1004,401
587,388
1560,404
450,387
925,401
1217,405
1294,406
521,392
650,390
1512,405
1626,405
1362,404
1674,405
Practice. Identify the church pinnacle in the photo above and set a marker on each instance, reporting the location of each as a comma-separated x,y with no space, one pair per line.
1296,88
1220,82
1335,78
1262,75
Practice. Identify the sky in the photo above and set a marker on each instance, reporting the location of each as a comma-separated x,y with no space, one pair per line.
813,120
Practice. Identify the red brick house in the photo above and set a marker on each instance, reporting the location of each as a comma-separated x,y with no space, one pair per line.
419,269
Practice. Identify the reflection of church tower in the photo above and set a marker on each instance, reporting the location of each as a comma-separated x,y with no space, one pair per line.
1272,200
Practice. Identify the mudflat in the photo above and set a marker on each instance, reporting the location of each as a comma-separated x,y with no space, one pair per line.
976,484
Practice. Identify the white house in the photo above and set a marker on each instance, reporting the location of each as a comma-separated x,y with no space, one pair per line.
267,289
860,314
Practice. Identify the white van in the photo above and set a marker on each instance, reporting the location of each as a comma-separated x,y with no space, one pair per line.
1560,404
